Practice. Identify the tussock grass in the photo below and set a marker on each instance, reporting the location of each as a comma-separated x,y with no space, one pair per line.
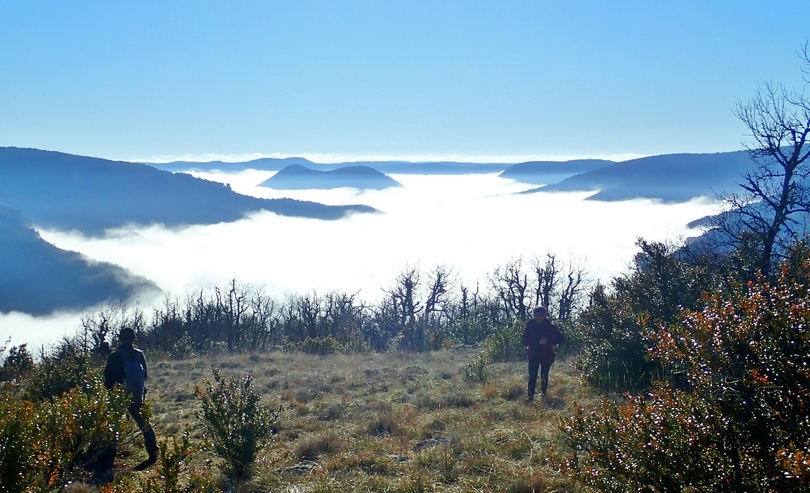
396,422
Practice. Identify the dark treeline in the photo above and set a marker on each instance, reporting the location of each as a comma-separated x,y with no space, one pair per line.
419,311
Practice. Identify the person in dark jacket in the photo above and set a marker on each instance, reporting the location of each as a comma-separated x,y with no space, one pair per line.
540,337
126,366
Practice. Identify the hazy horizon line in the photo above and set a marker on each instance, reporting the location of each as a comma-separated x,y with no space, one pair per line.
335,158
326,158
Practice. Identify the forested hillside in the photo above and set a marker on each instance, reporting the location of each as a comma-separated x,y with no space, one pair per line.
38,278
669,177
92,195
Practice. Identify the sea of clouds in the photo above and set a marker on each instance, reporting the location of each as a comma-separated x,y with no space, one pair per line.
469,223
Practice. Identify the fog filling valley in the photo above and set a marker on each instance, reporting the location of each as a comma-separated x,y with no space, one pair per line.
471,224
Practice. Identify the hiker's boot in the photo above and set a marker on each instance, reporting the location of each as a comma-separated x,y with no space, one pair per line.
143,465
150,441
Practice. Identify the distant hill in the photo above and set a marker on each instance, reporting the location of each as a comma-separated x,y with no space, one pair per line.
669,177
297,177
67,192
545,172
39,279
386,167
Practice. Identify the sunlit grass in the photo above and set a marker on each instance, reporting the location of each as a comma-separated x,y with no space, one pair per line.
384,422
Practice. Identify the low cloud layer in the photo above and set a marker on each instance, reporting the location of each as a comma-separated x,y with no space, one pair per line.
470,223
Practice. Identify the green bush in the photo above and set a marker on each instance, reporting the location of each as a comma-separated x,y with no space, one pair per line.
59,373
82,424
174,473
616,327
505,344
17,364
476,370
647,443
236,422
738,421
44,442
574,340
321,345
615,354
20,452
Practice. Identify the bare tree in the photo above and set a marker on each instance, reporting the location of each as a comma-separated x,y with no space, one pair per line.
559,284
303,317
419,306
404,295
264,321
232,306
105,324
344,318
441,280
511,286
573,286
547,282
547,278
769,214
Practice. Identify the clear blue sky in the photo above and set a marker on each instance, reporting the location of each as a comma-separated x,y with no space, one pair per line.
453,79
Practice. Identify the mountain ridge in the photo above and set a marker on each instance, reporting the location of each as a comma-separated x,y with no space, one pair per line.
38,278
298,177
671,178
386,167
92,195
544,172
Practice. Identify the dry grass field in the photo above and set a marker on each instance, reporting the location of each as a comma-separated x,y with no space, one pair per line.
392,422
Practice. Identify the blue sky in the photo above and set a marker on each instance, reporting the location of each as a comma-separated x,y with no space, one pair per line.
336,80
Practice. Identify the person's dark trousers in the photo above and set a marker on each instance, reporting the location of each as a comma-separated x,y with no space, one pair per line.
149,438
544,369
534,366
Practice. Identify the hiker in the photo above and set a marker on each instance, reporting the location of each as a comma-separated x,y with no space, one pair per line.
127,366
540,337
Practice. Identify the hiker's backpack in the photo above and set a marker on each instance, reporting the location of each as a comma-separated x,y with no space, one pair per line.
134,374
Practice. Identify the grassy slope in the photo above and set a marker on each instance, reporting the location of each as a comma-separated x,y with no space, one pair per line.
384,422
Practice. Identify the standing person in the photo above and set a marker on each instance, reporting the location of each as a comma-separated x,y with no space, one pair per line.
127,366
540,337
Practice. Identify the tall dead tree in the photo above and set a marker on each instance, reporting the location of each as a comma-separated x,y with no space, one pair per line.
573,285
547,278
404,295
770,212
510,284
441,280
